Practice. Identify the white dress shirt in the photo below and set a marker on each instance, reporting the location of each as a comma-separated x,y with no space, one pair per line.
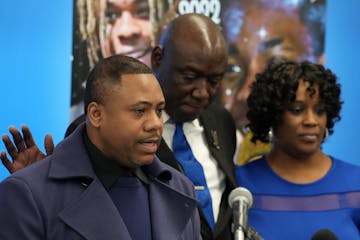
194,133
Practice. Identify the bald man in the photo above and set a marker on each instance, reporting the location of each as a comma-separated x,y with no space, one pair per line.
190,63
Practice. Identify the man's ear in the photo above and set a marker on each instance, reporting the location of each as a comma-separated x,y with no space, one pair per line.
156,57
94,112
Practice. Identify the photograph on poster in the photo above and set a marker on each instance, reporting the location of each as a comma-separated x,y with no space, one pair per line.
259,32
102,28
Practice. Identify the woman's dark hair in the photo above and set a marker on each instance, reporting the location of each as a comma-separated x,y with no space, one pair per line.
276,87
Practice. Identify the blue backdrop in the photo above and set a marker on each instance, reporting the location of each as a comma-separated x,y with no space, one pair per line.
35,64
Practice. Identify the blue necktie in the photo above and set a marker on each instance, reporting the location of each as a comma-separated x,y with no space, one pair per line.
194,171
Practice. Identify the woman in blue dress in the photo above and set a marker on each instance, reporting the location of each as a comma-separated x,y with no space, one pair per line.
297,188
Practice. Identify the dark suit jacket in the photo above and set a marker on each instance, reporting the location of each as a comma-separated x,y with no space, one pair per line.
220,134
61,198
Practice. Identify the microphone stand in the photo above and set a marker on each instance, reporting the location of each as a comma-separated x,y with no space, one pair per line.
240,220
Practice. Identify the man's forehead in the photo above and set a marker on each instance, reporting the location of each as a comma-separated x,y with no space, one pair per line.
139,87
138,76
129,80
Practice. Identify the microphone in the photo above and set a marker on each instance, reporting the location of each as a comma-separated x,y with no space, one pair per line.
324,234
240,200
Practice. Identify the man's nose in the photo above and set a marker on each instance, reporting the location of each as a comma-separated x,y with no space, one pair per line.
127,26
201,89
154,121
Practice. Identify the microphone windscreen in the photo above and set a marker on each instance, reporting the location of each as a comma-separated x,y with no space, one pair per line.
324,234
240,193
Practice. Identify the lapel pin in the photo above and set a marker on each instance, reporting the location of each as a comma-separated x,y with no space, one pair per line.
215,139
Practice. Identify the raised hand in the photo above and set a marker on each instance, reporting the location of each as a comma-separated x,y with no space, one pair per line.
23,149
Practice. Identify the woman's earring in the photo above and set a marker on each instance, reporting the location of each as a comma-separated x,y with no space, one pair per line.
271,134
326,134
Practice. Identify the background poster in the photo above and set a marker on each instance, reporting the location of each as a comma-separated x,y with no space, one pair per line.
257,32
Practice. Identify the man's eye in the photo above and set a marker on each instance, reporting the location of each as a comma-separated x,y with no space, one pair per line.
215,80
111,16
159,111
143,12
190,77
187,79
139,111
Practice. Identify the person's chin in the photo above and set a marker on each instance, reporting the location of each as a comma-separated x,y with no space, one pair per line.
144,160
136,52
146,59
190,113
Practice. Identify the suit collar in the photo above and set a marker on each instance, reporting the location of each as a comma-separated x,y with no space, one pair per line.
167,156
71,158
212,131
179,207
216,145
93,214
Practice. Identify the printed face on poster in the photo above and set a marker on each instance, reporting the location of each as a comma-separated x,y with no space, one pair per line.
257,32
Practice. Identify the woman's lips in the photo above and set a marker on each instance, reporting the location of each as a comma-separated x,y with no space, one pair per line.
309,137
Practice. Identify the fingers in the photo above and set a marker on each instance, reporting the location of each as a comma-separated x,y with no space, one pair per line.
6,162
10,147
17,138
28,138
49,144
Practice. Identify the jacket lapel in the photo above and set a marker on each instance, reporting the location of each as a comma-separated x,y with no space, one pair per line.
216,145
165,201
94,215
166,156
